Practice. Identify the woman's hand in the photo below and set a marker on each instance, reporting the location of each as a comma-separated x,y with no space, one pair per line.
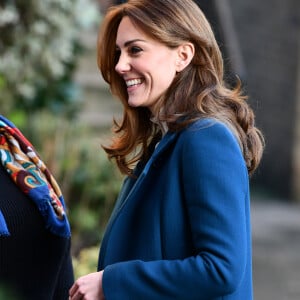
88,287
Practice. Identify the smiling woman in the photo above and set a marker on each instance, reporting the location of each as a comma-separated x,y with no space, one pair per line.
147,66
180,228
142,61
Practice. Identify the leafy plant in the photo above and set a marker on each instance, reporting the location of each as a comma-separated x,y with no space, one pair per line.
7,292
86,261
39,46
89,181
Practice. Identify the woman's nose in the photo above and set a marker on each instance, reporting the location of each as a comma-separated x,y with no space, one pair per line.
123,64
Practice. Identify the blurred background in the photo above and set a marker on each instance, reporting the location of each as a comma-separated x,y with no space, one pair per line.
51,88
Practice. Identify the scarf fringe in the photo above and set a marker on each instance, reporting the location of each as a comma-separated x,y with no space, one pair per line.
31,175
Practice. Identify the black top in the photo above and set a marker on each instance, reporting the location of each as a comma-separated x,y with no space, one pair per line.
34,263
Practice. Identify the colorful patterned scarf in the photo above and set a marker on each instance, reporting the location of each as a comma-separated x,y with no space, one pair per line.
31,175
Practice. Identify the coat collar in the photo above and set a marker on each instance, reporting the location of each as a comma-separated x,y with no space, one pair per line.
132,184
166,142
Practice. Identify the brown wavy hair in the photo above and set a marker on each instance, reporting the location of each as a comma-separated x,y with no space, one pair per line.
198,91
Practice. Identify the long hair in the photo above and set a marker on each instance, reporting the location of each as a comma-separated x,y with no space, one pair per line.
196,92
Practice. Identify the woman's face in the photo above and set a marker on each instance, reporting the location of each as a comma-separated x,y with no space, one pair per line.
147,66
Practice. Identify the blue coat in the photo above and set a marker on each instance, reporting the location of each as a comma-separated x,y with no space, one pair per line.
181,230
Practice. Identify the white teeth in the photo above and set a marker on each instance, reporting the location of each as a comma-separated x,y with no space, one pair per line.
133,82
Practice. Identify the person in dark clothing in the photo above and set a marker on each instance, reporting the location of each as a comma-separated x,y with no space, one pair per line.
35,260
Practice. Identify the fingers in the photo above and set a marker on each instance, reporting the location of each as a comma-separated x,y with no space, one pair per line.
74,293
73,289
88,287
76,297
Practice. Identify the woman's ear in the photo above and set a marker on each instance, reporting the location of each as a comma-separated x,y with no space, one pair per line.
185,54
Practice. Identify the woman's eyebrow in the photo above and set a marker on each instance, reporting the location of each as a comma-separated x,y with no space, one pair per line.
128,43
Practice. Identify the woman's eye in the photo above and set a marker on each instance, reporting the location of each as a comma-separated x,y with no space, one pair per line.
135,50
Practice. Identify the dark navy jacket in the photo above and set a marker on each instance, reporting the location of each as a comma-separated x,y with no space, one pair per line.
181,230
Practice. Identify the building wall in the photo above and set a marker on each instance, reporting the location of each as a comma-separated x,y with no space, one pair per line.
296,152
269,34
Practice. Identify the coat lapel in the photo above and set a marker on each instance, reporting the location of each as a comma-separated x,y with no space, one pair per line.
131,186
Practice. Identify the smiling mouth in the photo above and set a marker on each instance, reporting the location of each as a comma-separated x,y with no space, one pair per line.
133,82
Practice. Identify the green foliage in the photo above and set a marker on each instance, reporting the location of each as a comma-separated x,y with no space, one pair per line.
91,195
8,293
89,181
39,51
39,46
86,262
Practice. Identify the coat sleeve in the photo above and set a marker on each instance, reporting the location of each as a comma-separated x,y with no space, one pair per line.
215,185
